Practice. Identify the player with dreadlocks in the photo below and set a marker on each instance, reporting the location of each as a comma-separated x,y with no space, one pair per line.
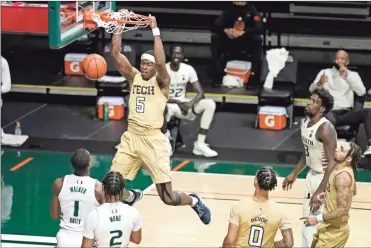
333,230
255,221
113,224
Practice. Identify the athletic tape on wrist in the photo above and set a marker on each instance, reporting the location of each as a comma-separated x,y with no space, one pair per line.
155,31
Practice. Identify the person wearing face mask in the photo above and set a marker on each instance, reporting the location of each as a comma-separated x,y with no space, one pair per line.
343,83
179,106
238,28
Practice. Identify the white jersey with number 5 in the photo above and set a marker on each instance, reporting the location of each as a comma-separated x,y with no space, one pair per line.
111,224
179,80
77,200
315,155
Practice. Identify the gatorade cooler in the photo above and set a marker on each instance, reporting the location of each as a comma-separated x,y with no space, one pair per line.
116,106
240,69
73,63
272,118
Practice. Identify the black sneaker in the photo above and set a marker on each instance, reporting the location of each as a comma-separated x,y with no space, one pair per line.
202,211
138,195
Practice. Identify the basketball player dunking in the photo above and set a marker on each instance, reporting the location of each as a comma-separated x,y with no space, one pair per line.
254,221
113,224
74,196
181,74
319,139
144,143
333,230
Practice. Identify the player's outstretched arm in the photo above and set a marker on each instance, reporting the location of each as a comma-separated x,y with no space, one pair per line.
55,208
163,76
121,62
328,136
343,182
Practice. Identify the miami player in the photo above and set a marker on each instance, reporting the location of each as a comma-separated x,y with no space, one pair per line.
254,221
319,138
113,224
178,105
74,196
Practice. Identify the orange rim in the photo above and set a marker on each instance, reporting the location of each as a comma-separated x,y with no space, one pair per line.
147,20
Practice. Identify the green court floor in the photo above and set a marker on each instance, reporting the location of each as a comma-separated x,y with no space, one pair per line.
27,188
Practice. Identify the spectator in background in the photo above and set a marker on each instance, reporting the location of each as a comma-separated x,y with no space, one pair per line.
342,84
5,82
239,28
178,105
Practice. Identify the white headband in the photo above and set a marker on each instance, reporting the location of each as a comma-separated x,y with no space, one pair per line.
149,57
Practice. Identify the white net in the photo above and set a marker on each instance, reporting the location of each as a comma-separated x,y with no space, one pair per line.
112,25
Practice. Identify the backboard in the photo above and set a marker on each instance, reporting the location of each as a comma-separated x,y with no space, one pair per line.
66,20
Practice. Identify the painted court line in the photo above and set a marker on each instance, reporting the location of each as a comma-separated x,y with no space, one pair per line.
28,238
25,245
21,164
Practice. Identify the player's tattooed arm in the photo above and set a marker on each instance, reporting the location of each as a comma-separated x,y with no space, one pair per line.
55,208
121,63
287,241
342,182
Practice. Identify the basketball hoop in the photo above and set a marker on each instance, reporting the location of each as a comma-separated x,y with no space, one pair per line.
115,22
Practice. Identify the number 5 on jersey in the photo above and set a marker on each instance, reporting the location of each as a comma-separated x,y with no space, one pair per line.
256,236
139,104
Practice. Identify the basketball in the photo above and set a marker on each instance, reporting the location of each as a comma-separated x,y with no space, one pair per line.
94,66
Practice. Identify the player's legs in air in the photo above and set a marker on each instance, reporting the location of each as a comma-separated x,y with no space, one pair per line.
152,152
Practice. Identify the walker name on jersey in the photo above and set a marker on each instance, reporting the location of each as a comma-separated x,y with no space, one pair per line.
307,141
143,90
78,189
259,219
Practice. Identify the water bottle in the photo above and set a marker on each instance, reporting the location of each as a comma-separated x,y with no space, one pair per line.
106,111
18,130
